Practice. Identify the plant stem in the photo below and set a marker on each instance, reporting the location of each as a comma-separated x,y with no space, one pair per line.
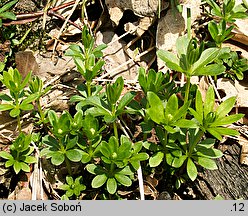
42,116
189,23
88,84
197,139
115,130
187,89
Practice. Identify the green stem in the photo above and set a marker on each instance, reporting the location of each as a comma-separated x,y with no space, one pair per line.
88,84
115,130
189,23
42,116
197,139
187,89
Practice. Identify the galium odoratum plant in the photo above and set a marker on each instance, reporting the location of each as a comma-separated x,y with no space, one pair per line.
61,145
192,60
119,161
72,188
17,100
89,63
182,143
36,87
112,105
20,154
228,11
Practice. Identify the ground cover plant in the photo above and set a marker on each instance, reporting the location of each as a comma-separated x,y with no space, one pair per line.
90,149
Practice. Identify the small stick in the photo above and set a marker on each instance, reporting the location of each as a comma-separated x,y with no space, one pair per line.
115,71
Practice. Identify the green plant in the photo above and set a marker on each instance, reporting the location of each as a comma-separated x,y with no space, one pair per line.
61,146
19,156
235,66
212,120
170,117
36,87
17,100
227,11
5,14
92,132
73,188
87,62
219,32
112,105
192,60
119,161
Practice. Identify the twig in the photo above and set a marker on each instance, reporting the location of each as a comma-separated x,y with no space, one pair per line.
115,71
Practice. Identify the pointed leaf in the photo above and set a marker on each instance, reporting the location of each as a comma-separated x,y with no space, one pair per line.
170,60
207,163
207,57
210,70
191,169
156,111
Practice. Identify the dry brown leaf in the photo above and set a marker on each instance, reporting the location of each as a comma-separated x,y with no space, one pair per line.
26,62
170,27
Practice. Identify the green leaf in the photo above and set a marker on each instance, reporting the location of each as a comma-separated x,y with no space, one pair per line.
208,152
156,111
185,123
227,120
140,156
209,101
7,6
4,107
226,131
25,167
214,133
207,163
6,155
30,159
181,45
210,70
126,171
191,169
124,101
26,106
30,98
172,105
207,57
225,107
111,185
57,158
85,157
26,80
213,29
17,167
156,159
15,112
124,180
178,162
95,169
99,181
170,60
74,155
